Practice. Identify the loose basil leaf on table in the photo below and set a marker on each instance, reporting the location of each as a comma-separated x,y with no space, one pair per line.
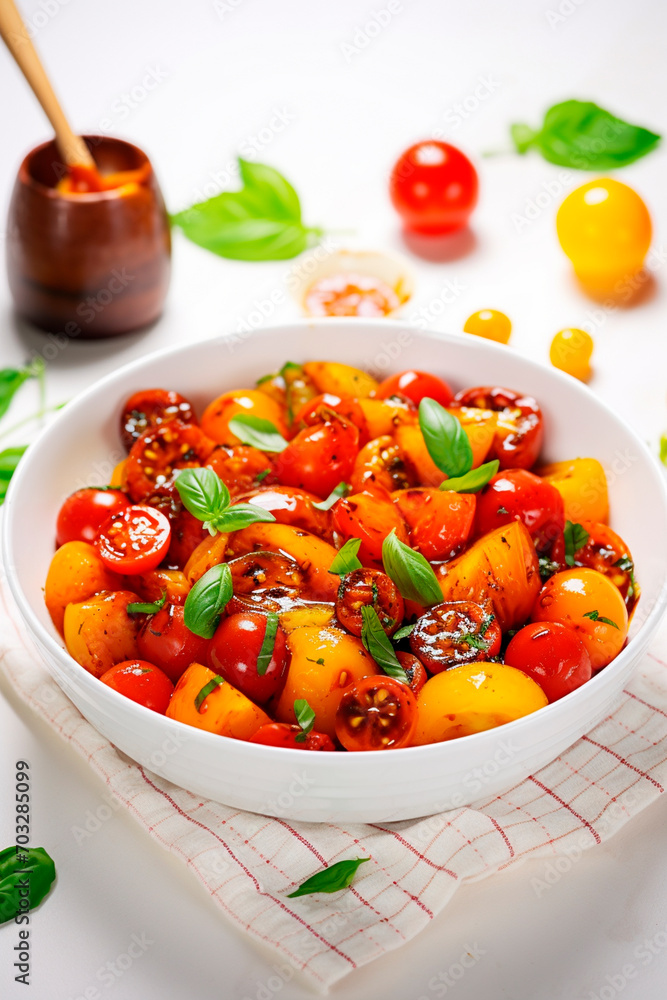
473,481
21,866
445,439
582,135
207,600
346,560
262,221
259,433
411,572
377,642
331,879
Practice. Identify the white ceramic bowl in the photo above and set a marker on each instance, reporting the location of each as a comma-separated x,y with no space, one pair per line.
82,445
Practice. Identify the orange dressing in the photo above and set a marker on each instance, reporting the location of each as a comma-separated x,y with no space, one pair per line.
349,294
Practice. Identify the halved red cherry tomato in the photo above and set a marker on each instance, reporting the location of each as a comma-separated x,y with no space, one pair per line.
142,682
369,588
135,540
315,411
376,713
150,408
518,495
236,647
454,633
606,552
370,517
440,521
265,571
281,734
433,187
319,457
240,467
84,512
416,386
159,451
414,668
553,655
165,640
520,427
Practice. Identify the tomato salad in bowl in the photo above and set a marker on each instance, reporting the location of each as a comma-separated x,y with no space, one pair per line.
327,562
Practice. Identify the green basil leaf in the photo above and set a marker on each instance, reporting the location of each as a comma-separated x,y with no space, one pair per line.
257,432
346,559
140,608
582,135
626,564
402,633
446,441
337,492
473,481
331,879
207,600
202,492
411,572
240,515
9,459
576,537
11,380
21,867
268,643
262,221
377,642
211,685
597,617
305,718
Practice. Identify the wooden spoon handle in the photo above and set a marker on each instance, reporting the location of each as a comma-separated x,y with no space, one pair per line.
72,147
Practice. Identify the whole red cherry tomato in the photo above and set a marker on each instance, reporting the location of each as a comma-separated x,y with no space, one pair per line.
84,512
135,540
369,588
370,517
440,521
518,495
240,467
433,187
454,633
376,713
151,407
315,411
319,457
281,734
159,451
235,650
142,682
416,386
165,641
553,655
520,426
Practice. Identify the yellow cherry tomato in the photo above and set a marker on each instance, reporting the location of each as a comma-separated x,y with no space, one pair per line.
217,415
491,324
604,227
472,698
582,483
591,605
200,701
571,351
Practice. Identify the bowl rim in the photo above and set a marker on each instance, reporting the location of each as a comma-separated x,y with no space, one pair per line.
476,344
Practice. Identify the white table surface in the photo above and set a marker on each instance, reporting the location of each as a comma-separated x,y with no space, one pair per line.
220,74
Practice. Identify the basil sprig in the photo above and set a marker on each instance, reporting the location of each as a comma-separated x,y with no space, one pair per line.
207,600
147,608
305,718
331,879
24,868
377,643
268,643
410,571
595,616
346,560
211,685
205,495
575,536
473,481
262,221
582,135
257,432
445,439
337,492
